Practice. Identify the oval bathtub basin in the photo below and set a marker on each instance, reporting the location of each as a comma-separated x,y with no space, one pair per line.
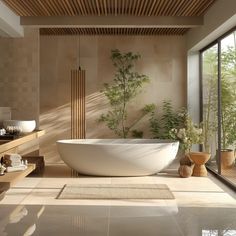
117,157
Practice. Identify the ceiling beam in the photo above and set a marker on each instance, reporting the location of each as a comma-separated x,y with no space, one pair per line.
112,21
9,23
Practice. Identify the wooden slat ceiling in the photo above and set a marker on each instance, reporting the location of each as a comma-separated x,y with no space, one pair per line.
113,31
111,8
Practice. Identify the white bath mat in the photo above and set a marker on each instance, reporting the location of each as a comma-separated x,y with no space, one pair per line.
116,191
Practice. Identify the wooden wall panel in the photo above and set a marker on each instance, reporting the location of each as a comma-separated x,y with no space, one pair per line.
78,122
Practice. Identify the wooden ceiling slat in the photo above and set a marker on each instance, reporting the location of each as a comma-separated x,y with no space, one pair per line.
70,7
94,7
47,12
104,4
145,7
50,4
124,7
89,7
155,8
137,7
140,8
178,7
159,7
148,5
74,8
112,7
185,9
98,8
102,8
130,7
36,7
17,7
28,8
109,7
113,31
164,8
152,7
171,6
204,8
118,7
81,3
193,8
65,8
115,8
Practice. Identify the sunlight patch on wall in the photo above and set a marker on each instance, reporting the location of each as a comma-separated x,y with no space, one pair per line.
56,123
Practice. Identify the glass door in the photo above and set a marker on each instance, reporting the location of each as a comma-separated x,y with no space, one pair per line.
228,106
210,102
218,105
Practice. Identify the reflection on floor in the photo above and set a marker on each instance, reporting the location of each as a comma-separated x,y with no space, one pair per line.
114,220
200,207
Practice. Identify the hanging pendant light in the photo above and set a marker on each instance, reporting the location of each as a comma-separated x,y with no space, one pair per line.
78,122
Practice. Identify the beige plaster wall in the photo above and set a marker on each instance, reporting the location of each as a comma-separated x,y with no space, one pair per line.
19,75
163,60
19,79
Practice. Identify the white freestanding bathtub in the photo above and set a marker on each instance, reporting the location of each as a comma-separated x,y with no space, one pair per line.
117,157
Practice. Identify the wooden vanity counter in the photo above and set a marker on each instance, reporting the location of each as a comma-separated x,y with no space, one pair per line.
6,145
13,177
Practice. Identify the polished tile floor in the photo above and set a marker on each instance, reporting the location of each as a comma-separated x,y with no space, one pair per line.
202,206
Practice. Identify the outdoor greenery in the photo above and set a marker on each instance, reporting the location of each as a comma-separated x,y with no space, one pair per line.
228,96
210,105
127,84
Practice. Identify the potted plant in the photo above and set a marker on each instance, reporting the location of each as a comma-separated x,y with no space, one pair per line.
161,125
188,135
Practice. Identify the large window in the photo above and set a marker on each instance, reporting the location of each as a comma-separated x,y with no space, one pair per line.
218,74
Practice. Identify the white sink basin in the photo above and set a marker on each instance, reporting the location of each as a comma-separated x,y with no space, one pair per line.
26,126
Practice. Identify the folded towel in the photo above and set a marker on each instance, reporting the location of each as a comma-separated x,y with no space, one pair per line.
12,157
11,160
15,163
16,168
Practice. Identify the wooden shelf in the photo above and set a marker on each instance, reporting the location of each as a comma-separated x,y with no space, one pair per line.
14,177
5,146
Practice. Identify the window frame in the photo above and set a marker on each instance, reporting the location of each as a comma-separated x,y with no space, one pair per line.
217,42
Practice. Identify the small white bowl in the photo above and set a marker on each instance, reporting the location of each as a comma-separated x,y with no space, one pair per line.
26,126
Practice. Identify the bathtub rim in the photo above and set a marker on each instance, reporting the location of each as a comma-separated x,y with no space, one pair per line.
112,141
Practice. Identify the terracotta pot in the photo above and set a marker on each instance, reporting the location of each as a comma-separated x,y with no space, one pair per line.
185,171
185,160
199,159
227,159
